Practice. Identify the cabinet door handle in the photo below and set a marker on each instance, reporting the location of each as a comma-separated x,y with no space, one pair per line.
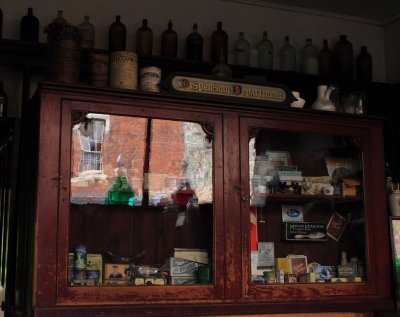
56,178
245,197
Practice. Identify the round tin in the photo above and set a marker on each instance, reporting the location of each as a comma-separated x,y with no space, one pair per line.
150,78
123,70
63,53
99,69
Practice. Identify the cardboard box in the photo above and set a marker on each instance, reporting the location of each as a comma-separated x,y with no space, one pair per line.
283,264
266,254
95,263
350,186
346,270
183,280
115,282
323,272
182,267
116,271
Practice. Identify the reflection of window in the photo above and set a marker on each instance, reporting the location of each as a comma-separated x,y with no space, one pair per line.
91,135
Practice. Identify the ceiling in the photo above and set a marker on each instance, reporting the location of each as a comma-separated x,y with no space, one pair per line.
381,11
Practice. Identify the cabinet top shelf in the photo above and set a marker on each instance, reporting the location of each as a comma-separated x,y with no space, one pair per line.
31,54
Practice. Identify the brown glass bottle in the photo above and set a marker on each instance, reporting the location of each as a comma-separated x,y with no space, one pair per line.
30,27
117,36
194,45
344,58
219,42
325,58
144,40
169,42
364,65
87,32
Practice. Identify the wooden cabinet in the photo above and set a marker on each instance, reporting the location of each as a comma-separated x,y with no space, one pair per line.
169,146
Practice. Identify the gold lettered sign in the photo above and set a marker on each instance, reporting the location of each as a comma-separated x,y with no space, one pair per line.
191,85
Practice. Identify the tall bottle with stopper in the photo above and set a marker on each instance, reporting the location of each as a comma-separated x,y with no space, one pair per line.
120,192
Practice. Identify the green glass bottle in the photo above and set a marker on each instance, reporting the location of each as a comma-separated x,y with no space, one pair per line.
241,51
120,192
265,52
309,58
287,56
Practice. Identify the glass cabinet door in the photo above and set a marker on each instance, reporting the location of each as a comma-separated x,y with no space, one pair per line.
306,205
141,203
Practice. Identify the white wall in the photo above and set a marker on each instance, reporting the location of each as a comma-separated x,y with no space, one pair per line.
235,15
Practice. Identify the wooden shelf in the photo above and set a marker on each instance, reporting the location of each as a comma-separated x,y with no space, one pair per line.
298,197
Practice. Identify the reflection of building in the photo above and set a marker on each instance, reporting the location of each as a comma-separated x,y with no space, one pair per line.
97,142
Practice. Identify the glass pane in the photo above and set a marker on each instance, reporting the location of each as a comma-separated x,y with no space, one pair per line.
307,210
141,208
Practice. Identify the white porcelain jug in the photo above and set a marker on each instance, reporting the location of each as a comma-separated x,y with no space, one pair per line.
323,102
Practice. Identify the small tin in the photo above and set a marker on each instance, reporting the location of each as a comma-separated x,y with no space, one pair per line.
280,276
269,277
63,53
290,278
94,275
150,78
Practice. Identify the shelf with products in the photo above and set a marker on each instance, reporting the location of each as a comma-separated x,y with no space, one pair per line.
312,229
299,197
30,54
